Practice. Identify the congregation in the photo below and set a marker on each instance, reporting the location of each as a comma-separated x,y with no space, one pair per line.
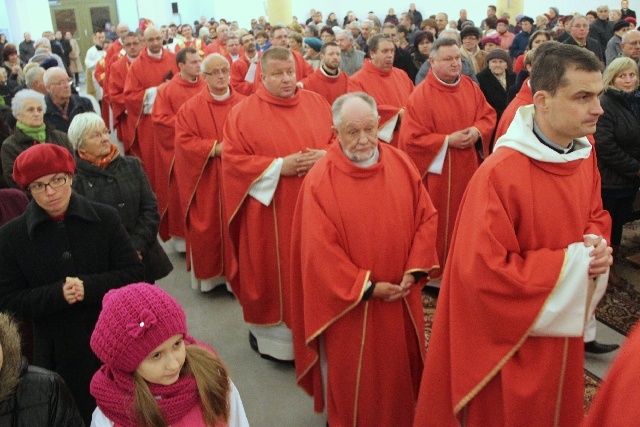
328,174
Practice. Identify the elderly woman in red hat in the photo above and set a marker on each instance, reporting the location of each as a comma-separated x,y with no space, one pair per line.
57,261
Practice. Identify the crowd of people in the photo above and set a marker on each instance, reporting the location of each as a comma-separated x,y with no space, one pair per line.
327,173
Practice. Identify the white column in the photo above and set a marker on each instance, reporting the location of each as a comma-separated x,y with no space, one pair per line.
21,17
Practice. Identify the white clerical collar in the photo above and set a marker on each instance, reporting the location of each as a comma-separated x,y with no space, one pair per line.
226,95
329,75
130,58
254,59
369,162
154,55
445,83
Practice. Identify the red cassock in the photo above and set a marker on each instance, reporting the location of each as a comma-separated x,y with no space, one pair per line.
215,47
434,111
199,125
509,252
303,69
329,87
100,74
523,97
374,349
146,72
239,71
259,130
171,96
114,53
390,89
616,402
123,124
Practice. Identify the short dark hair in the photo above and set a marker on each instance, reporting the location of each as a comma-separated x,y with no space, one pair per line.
9,49
404,30
553,59
326,45
181,57
98,31
442,42
276,27
491,6
274,53
592,13
535,34
374,41
327,29
262,33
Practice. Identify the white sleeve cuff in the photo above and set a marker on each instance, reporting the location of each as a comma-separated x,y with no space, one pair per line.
385,133
438,162
251,73
264,189
569,305
149,99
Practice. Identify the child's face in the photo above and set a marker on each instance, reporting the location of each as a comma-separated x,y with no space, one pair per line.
260,40
164,363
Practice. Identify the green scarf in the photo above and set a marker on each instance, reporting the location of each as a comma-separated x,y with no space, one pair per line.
39,133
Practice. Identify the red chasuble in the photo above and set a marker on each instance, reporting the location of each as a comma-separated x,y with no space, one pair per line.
434,111
145,72
508,254
354,225
259,130
616,402
215,47
303,69
195,43
390,89
100,74
170,98
239,71
122,123
329,87
523,97
199,125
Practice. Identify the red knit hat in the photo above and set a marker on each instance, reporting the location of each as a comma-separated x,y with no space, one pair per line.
134,320
40,160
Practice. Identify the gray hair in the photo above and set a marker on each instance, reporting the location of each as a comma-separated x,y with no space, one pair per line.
441,42
449,34
51,72
81,125
347,33
354,24
576,17
336,108
367,21
17,104
32,76
42,41
627,34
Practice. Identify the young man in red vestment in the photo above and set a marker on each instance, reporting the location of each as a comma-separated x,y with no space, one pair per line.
389,86
243,71
271,140
528,263
153,67
197,172
328,80
279,38
122,122
447,117
358,322
183,86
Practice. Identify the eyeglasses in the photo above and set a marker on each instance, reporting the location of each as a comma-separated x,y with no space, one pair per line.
40,187
216,73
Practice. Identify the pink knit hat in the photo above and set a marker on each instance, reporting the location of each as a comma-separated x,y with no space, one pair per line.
134,320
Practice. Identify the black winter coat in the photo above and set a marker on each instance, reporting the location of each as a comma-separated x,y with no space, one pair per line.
124,185
77,105
18,142
37,254
618,142
41,399
494,92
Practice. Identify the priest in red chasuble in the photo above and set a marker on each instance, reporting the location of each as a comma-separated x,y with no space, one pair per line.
528,263
446,129
363,243
171,95
389,86
153,67
122,122
271,140
243,71
197,171
328,80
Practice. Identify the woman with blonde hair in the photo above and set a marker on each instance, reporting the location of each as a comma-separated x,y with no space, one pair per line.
617,136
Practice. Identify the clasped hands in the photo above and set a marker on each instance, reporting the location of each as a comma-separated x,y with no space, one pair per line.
465,138
73,290
601,253
299,164
391,292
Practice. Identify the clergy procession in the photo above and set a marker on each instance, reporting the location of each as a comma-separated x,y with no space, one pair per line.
330,176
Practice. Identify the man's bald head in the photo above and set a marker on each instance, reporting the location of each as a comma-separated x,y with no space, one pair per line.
153,39
355,124
630,44
215,71
122,30
223,32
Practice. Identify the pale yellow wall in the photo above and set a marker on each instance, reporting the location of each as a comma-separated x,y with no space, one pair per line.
279,11
513,7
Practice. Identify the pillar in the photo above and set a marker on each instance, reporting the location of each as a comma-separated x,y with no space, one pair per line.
279,11
512,7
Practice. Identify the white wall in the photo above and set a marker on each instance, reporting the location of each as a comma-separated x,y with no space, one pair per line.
19,18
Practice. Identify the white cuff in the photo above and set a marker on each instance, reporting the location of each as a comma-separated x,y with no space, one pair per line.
264,189
251,73
149,99
438,162
385,133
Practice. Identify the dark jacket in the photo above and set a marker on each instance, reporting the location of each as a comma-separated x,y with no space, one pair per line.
601,31
124,185
494,92
41,399
592,46
617,146
27,50
77,105
18,142
519,45
37,253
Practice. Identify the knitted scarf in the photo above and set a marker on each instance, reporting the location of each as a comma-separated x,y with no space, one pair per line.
39,134
114,393
633,98
103,162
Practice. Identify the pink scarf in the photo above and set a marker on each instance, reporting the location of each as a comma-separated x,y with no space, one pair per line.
114,393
